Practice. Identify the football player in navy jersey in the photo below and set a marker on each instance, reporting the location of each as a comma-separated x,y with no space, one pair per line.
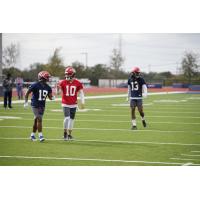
137,89
40,90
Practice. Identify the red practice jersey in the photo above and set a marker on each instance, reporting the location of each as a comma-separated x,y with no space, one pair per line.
70,89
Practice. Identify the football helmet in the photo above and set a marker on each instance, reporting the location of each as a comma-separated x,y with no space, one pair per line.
70,73
44,75
135,72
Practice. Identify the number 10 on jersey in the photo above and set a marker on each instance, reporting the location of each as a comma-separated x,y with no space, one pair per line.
70,90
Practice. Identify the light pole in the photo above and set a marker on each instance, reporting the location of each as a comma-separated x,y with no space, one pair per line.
86,58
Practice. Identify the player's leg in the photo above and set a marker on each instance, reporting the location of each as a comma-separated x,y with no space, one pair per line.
71,122
39,127
18,93
21,93
5,99
35,125
133,116
66,111
10,99
141,111
39,123
34,130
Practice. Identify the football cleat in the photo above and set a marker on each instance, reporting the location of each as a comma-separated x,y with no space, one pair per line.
134,128
33,138
70,137
65,136
144,123
41,138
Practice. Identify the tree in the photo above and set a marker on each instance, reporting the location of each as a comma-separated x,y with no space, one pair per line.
97,72
32,74
14,72
116,60
190,65
55,64
79,67
10,55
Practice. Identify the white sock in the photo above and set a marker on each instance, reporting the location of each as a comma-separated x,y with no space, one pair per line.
32,134
133,122
66,122
40,134
142,118
71,124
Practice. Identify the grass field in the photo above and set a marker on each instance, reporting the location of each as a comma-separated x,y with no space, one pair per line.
103,136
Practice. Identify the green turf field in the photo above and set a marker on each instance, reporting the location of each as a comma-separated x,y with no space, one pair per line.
103,135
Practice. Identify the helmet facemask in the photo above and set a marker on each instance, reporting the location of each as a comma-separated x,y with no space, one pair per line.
135,75
70,73
69,77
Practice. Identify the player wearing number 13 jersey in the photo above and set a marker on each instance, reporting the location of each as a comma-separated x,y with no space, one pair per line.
70,88
40,90
137,89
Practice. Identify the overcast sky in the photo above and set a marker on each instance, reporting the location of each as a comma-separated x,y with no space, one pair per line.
152,52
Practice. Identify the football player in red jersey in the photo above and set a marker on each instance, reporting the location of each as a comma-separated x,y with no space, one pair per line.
70,88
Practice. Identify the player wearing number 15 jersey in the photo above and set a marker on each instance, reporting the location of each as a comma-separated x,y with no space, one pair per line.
70,88
137,89
40,90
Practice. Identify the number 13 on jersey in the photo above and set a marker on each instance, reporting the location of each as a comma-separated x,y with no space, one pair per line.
134,85
70,90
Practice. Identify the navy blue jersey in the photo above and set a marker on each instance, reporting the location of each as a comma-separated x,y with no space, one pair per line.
135,85
39,94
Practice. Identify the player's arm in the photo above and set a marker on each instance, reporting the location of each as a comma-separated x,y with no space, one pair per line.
58,88
82,98
50,96
26,97
128,93
144,90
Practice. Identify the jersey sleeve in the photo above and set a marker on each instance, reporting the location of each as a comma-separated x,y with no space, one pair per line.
80,86
32,87
60,83
143,82
50,90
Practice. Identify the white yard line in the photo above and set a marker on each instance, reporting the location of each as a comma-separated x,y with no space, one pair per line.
91,159
111,115
195,151
104,96
189,155
147,110
107,121
187,164
110,141
187,159
103,129
149,116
